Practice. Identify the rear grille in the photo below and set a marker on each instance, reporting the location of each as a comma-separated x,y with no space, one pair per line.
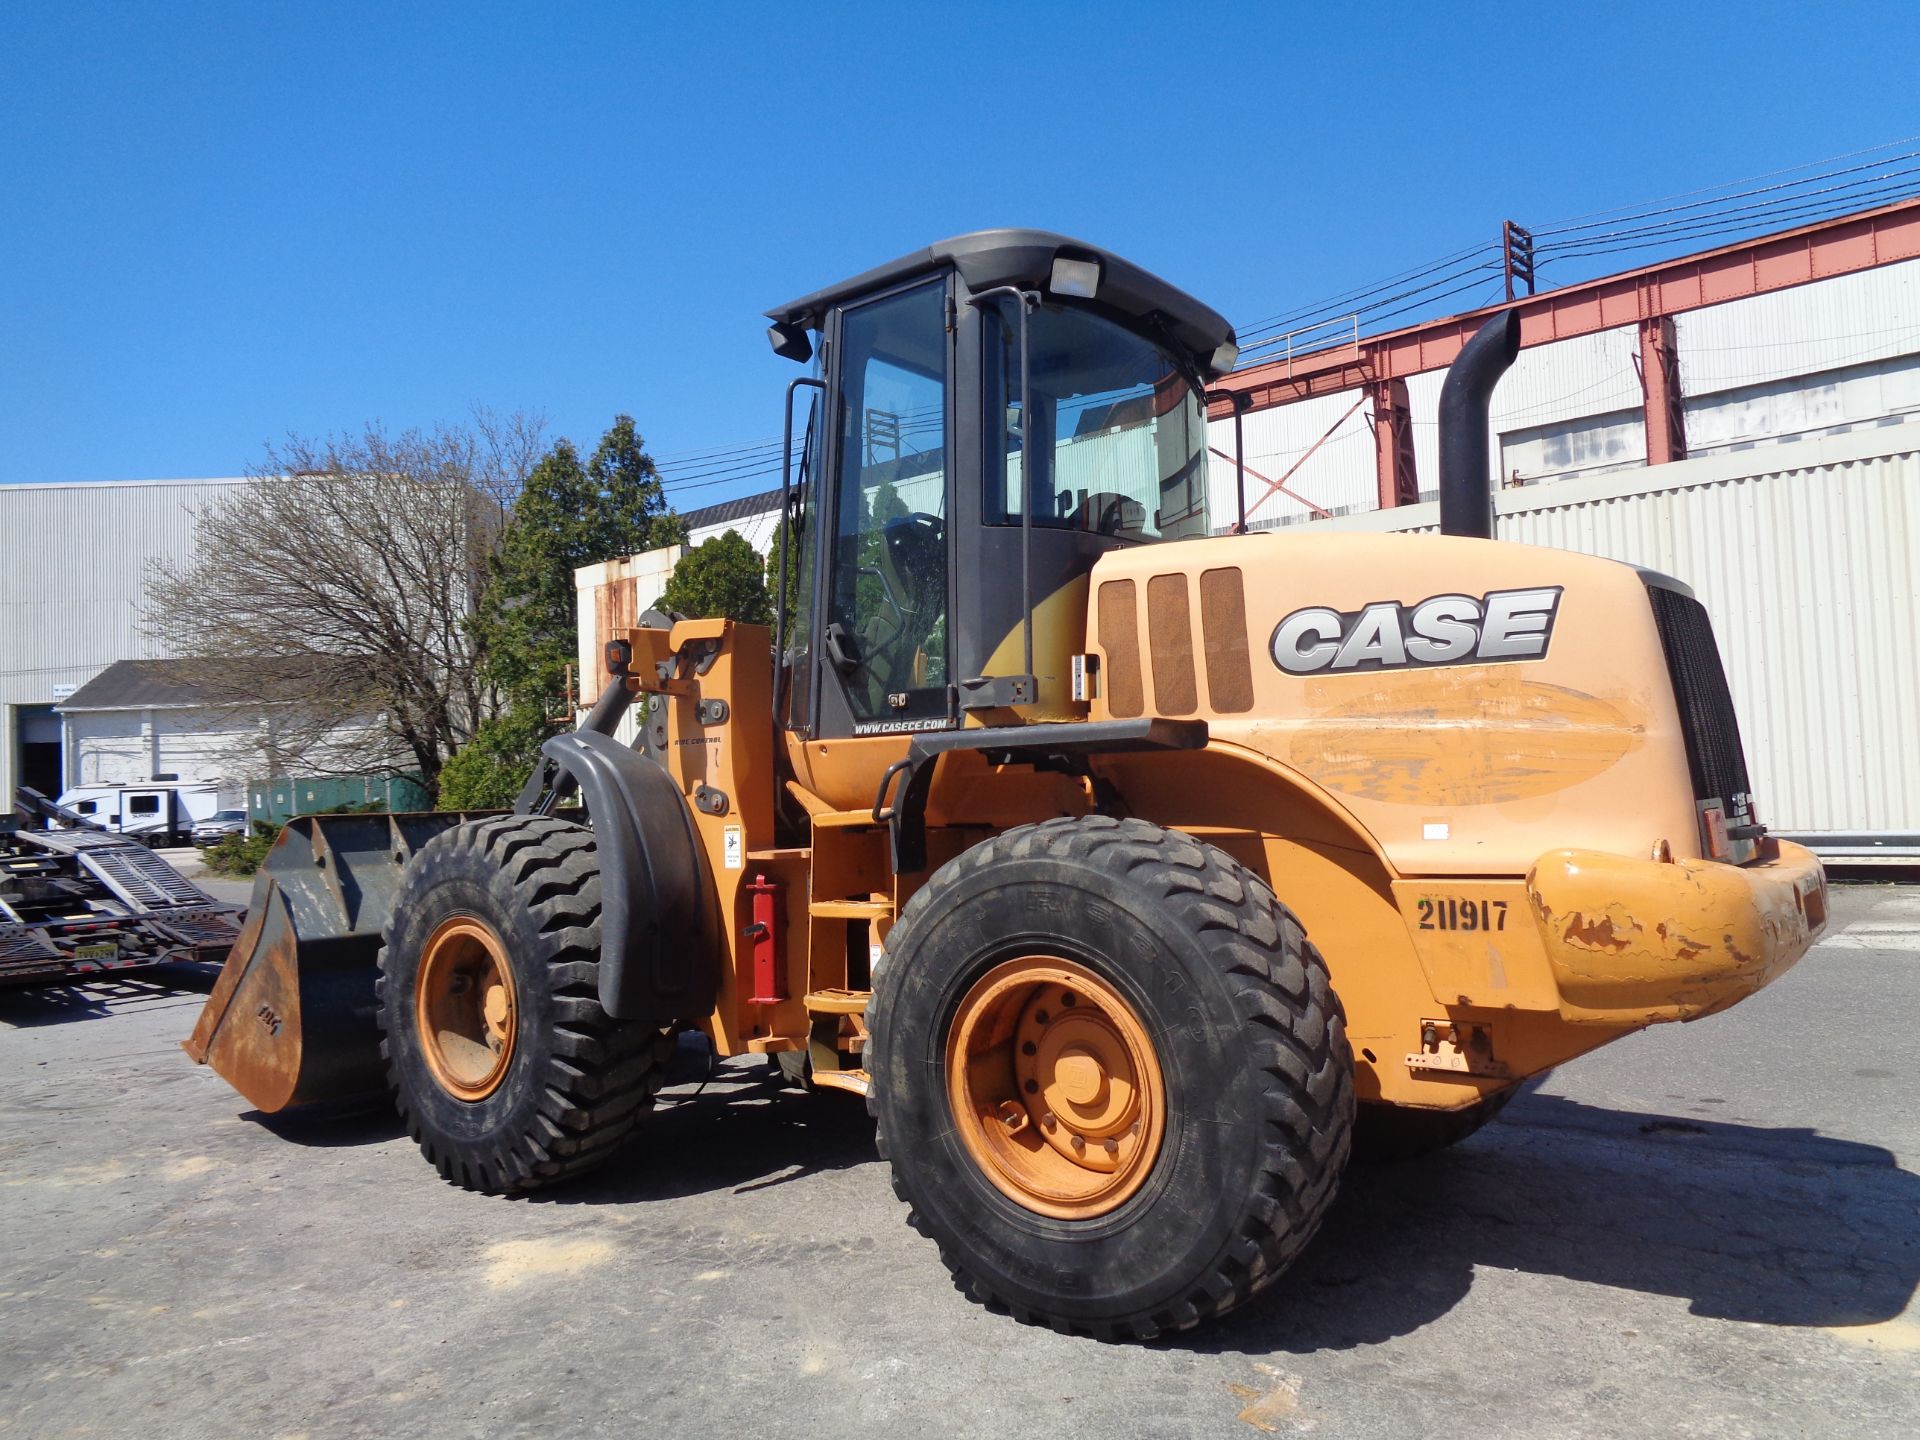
1714,755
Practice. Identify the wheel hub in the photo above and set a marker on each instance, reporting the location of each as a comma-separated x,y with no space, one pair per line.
1055,1088
465,1010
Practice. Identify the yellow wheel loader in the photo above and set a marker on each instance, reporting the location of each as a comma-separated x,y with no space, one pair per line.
1134,874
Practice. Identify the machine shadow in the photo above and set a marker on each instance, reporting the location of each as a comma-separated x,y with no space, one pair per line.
1771,1226
742,1133
25,1007
1774,1226
333,1125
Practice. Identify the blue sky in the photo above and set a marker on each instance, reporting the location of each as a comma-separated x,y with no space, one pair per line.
224,223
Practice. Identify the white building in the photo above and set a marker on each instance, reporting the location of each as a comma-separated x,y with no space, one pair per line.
1822,358
614,594
1795,517
140,720
73,599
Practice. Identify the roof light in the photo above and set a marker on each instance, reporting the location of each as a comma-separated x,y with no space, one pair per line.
1225,357
1078,278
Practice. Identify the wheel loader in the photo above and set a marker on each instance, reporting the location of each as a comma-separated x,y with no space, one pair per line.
1133,872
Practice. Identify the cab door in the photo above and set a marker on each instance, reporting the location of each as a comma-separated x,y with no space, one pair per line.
883,651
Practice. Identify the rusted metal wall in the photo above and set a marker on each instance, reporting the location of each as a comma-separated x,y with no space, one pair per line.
609,599
1807,555
1572,406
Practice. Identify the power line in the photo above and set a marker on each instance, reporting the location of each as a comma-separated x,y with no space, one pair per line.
1665,220
1368,310
1707,189
730,448
1361,293
1709,229
1620,229
1843,197
720,472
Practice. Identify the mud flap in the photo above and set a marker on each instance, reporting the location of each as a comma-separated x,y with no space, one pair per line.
657,958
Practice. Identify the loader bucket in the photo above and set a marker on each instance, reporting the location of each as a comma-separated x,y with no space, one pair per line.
291,1018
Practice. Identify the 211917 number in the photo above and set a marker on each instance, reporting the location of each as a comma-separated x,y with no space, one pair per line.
1456,914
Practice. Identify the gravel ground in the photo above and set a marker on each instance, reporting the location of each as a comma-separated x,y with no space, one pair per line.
1705,1230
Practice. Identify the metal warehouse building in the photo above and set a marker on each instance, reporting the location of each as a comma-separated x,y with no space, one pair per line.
73,601
1745,418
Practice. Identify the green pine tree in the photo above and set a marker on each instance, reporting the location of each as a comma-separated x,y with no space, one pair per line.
721,576
569,513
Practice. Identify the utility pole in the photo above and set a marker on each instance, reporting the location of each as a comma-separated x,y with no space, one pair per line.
1516,255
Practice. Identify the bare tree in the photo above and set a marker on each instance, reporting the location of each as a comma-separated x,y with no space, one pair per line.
331,598
503,449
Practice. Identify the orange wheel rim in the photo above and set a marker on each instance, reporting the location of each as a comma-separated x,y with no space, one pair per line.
1055,1088
464,1008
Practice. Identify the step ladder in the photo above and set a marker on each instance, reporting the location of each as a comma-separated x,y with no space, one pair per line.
827,1008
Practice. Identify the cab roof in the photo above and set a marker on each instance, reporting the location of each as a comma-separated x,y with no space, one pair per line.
1025,258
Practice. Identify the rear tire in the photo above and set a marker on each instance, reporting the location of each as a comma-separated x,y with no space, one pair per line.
1213,1011
508,905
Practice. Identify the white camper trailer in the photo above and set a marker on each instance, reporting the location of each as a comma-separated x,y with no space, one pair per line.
159,812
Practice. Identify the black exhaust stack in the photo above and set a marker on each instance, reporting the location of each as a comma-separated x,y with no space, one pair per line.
1466,494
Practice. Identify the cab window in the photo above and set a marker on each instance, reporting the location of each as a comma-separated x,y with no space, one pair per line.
1117,443
887,607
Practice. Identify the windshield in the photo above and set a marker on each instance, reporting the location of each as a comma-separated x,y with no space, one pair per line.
229,814
1118,433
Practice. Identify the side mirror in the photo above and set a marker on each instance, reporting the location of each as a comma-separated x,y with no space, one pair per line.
790,341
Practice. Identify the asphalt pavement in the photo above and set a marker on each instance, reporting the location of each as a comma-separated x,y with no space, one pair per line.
1704,1230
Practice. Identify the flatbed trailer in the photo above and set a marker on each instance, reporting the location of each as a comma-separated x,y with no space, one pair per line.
79,902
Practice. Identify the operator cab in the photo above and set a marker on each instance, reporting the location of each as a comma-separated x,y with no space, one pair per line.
939,574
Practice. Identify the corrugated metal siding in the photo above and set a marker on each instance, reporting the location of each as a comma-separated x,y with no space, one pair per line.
73,586
1338,476
1807,556
1880,392
1548,385
1847,320
757,529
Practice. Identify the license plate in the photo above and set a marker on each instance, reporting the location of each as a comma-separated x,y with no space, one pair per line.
102,952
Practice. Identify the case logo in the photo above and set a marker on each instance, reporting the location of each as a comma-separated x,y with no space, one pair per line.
1502,625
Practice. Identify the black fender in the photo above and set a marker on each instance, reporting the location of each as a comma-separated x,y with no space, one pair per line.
656,960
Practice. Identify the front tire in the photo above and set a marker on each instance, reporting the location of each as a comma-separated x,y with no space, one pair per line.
503,1065
1111,1076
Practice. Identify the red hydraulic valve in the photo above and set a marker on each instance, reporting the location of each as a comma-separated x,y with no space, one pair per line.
769,975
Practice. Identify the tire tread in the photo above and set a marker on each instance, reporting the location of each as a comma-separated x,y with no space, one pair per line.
601,1074
1289,1012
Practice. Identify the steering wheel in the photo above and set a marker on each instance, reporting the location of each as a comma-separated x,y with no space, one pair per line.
914,540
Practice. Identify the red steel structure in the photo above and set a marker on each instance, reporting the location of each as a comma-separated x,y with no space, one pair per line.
1648,298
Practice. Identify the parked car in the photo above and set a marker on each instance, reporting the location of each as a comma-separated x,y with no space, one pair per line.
218,826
